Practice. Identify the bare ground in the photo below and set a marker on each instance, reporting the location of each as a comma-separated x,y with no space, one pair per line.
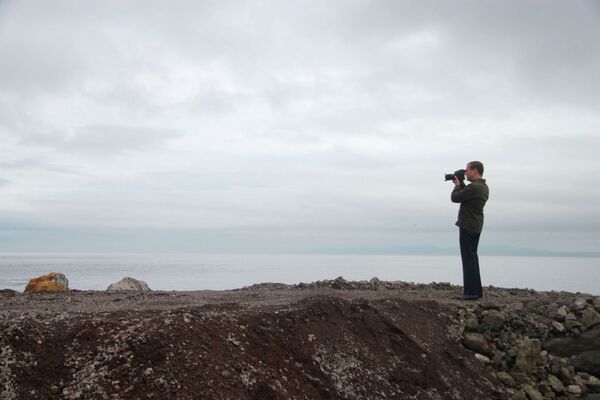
331,341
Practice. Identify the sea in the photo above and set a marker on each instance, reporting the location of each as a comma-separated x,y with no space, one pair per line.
230,271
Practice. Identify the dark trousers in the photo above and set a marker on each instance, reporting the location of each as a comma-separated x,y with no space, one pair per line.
470,262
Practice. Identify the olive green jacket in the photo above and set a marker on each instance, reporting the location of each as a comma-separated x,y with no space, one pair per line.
472,198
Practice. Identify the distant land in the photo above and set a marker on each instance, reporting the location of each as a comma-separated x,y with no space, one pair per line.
444,251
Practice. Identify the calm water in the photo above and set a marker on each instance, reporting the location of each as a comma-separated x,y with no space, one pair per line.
227,271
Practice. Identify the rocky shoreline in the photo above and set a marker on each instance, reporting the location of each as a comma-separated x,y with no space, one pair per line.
331,339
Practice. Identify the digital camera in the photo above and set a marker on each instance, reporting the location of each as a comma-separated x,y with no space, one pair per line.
460,174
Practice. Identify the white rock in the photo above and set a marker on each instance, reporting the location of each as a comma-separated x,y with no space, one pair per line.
574,389
127,284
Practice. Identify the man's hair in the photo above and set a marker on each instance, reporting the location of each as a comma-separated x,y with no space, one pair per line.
478,165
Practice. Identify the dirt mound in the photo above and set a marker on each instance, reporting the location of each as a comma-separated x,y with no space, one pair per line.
317,348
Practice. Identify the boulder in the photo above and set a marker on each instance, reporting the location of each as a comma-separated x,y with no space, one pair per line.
587,361
556,385
53,282
562,312
589,318
494,320
528,354
579,304
568,346
506,379
532,393
476,342
128,284
6,293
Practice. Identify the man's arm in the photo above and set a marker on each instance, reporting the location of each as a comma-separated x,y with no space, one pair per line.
461,192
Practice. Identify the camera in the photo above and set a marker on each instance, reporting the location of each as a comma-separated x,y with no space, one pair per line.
460,174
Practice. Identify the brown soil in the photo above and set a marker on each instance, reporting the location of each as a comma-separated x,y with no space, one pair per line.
265,342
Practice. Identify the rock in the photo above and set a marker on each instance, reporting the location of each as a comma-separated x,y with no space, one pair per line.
6,293
593,384
592,397
374,283
562,312
558,327
566,347
476,342
471,324
579,304
520,395
127,284
587,361
482,358
506,379
532,394
494,320
528,353
556,385
518,306
53,282
565,375
339,283
589,318
574,389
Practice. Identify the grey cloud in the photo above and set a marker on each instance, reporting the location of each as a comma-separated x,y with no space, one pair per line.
328,119
103,140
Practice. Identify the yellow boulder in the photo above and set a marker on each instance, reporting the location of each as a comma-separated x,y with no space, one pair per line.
53,282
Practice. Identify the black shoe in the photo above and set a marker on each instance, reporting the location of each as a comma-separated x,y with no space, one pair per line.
468,297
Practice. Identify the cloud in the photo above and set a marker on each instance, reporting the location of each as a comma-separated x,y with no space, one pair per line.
334,121
102,140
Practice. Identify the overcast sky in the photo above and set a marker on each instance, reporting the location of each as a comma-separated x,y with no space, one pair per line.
296,126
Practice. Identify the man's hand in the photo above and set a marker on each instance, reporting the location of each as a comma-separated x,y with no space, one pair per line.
456,182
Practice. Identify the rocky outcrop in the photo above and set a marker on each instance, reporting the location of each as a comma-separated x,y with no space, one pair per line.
53,282
128,284
548,348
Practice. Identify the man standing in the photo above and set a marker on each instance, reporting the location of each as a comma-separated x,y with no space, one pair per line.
472,199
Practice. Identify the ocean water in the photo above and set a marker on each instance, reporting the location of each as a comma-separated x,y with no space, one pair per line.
229,271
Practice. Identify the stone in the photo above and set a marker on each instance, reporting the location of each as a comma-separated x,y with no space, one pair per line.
569,346
476,342
593,384
589,318
482,358
520,395
528,353
52,282
556,385
579,304
471,324
506,379
562,312
587,361
592,397
517,306
128,284
6,293
494,320
374,283
566,375
339,283
574,389
558,327
532,393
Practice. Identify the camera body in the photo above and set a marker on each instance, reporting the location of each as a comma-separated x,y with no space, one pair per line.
460,174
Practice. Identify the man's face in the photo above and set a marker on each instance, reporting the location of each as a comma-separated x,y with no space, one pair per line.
470,172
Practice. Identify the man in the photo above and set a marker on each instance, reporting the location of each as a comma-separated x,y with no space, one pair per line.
472,199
